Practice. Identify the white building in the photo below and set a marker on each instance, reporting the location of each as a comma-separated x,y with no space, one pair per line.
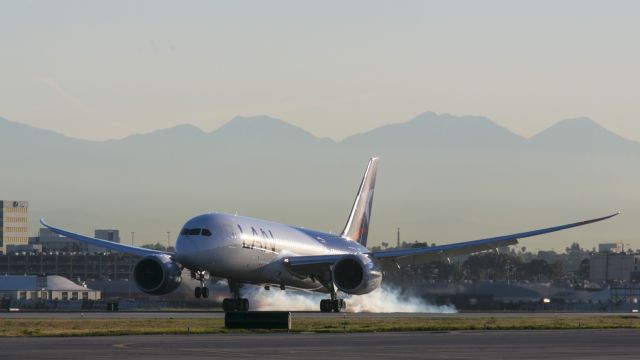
52,287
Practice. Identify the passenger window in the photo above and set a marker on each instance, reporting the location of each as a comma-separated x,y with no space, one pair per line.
206,232
194,232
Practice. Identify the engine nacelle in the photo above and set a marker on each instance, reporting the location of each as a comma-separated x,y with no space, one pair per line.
157,274
356,274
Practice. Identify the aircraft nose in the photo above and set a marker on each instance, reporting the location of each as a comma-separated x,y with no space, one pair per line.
186,250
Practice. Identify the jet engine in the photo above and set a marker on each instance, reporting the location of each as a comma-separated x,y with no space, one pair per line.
157,274
356,274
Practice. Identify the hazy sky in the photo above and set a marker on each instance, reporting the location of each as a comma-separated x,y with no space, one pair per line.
106,69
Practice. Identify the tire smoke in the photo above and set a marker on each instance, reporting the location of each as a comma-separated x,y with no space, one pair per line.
381,300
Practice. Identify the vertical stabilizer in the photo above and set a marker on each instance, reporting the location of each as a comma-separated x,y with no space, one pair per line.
357,227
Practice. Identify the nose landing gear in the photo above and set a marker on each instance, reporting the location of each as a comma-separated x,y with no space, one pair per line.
202,290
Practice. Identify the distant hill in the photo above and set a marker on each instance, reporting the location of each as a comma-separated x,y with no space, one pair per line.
434,131
442,178
264,130
582,134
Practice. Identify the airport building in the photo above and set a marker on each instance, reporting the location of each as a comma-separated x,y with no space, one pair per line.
109,235
107,266
52,287
616,267
48,241
13,223
611,248
52,242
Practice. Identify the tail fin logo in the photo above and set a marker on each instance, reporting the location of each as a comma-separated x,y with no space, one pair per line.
357,227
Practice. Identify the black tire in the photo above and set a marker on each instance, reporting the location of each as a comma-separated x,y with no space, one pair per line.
205,292
338,305
197,292
227,305
325,305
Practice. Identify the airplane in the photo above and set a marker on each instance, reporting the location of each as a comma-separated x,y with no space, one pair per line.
245,250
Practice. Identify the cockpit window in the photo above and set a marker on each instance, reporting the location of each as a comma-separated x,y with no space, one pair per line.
194,231
184,231
206,232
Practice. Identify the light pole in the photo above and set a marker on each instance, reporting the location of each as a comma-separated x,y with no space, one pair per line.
168,237
133,234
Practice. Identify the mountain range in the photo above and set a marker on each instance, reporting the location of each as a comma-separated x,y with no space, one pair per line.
442,178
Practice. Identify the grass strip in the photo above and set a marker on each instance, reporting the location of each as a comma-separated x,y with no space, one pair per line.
157,326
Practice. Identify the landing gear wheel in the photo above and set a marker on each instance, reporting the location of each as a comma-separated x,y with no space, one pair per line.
332,305
325,305
236,303
202,290
232,305
338,305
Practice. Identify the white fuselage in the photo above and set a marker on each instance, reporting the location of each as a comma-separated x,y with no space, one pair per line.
248,250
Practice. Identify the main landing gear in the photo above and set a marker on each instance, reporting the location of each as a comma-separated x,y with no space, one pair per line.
334,304
202,290
236,303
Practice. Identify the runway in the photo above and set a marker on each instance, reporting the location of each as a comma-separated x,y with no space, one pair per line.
549,344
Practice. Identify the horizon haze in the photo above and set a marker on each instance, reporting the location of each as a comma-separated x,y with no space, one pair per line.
442,178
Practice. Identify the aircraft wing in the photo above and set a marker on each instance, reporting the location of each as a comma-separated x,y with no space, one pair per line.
417,255
318,263
127,249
